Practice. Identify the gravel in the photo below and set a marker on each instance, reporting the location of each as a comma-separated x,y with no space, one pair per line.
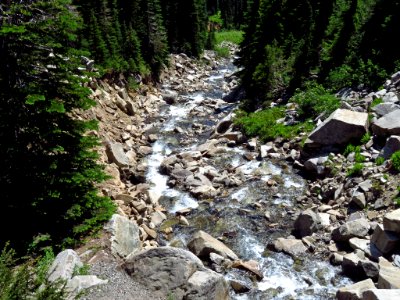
120,286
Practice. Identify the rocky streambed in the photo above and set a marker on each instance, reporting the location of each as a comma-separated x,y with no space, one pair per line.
206,213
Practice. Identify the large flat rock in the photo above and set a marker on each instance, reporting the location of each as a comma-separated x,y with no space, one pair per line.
341,127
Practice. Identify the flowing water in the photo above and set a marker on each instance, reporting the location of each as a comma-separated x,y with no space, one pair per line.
236,217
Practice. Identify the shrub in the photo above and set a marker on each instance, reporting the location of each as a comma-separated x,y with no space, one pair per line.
365,139
264,124
315,100
376,101
355,170
395,158
379,161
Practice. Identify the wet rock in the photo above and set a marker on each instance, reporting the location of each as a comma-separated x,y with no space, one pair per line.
341,127
385,241
381,294
357,228
157,218
388,124
389,275
223,126
239,287
391,221
292,247
170,97
183,274
307,223
202,244
354,291
251,266
124,236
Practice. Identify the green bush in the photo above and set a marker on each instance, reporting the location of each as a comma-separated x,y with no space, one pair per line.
376,101
365,139
233,36
222,51
264,124
315,100
395,158
379,161
355,170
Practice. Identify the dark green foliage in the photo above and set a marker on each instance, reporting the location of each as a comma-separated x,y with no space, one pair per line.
48,170
395,158
379,161
355,170
334,43
365,139
186,24
315,100
264,124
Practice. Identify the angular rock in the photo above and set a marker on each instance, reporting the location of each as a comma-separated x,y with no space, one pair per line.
292,247
390,97
202,244
391,221
358,199
369,269
205,285
64,265
223,126
385,241
354,291
389,275
381,294
307,223
387,125
170,97
341,127
385,108
251,266
392,145
167,270
124,236
350,264
81,282
116,154
316,165
357,228
366,246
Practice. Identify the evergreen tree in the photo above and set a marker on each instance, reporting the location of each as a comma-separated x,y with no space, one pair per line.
48,170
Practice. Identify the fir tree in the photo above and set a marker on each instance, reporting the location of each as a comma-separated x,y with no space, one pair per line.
48,170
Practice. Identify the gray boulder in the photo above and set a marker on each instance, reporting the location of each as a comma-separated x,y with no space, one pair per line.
357,228
316,165
391,221
292,247
342,126
389,275
392,145
385,108
167,270
79,283
387,125
64,265
385,241
307,223
124,236
381,294
354,291
115,153
202,244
